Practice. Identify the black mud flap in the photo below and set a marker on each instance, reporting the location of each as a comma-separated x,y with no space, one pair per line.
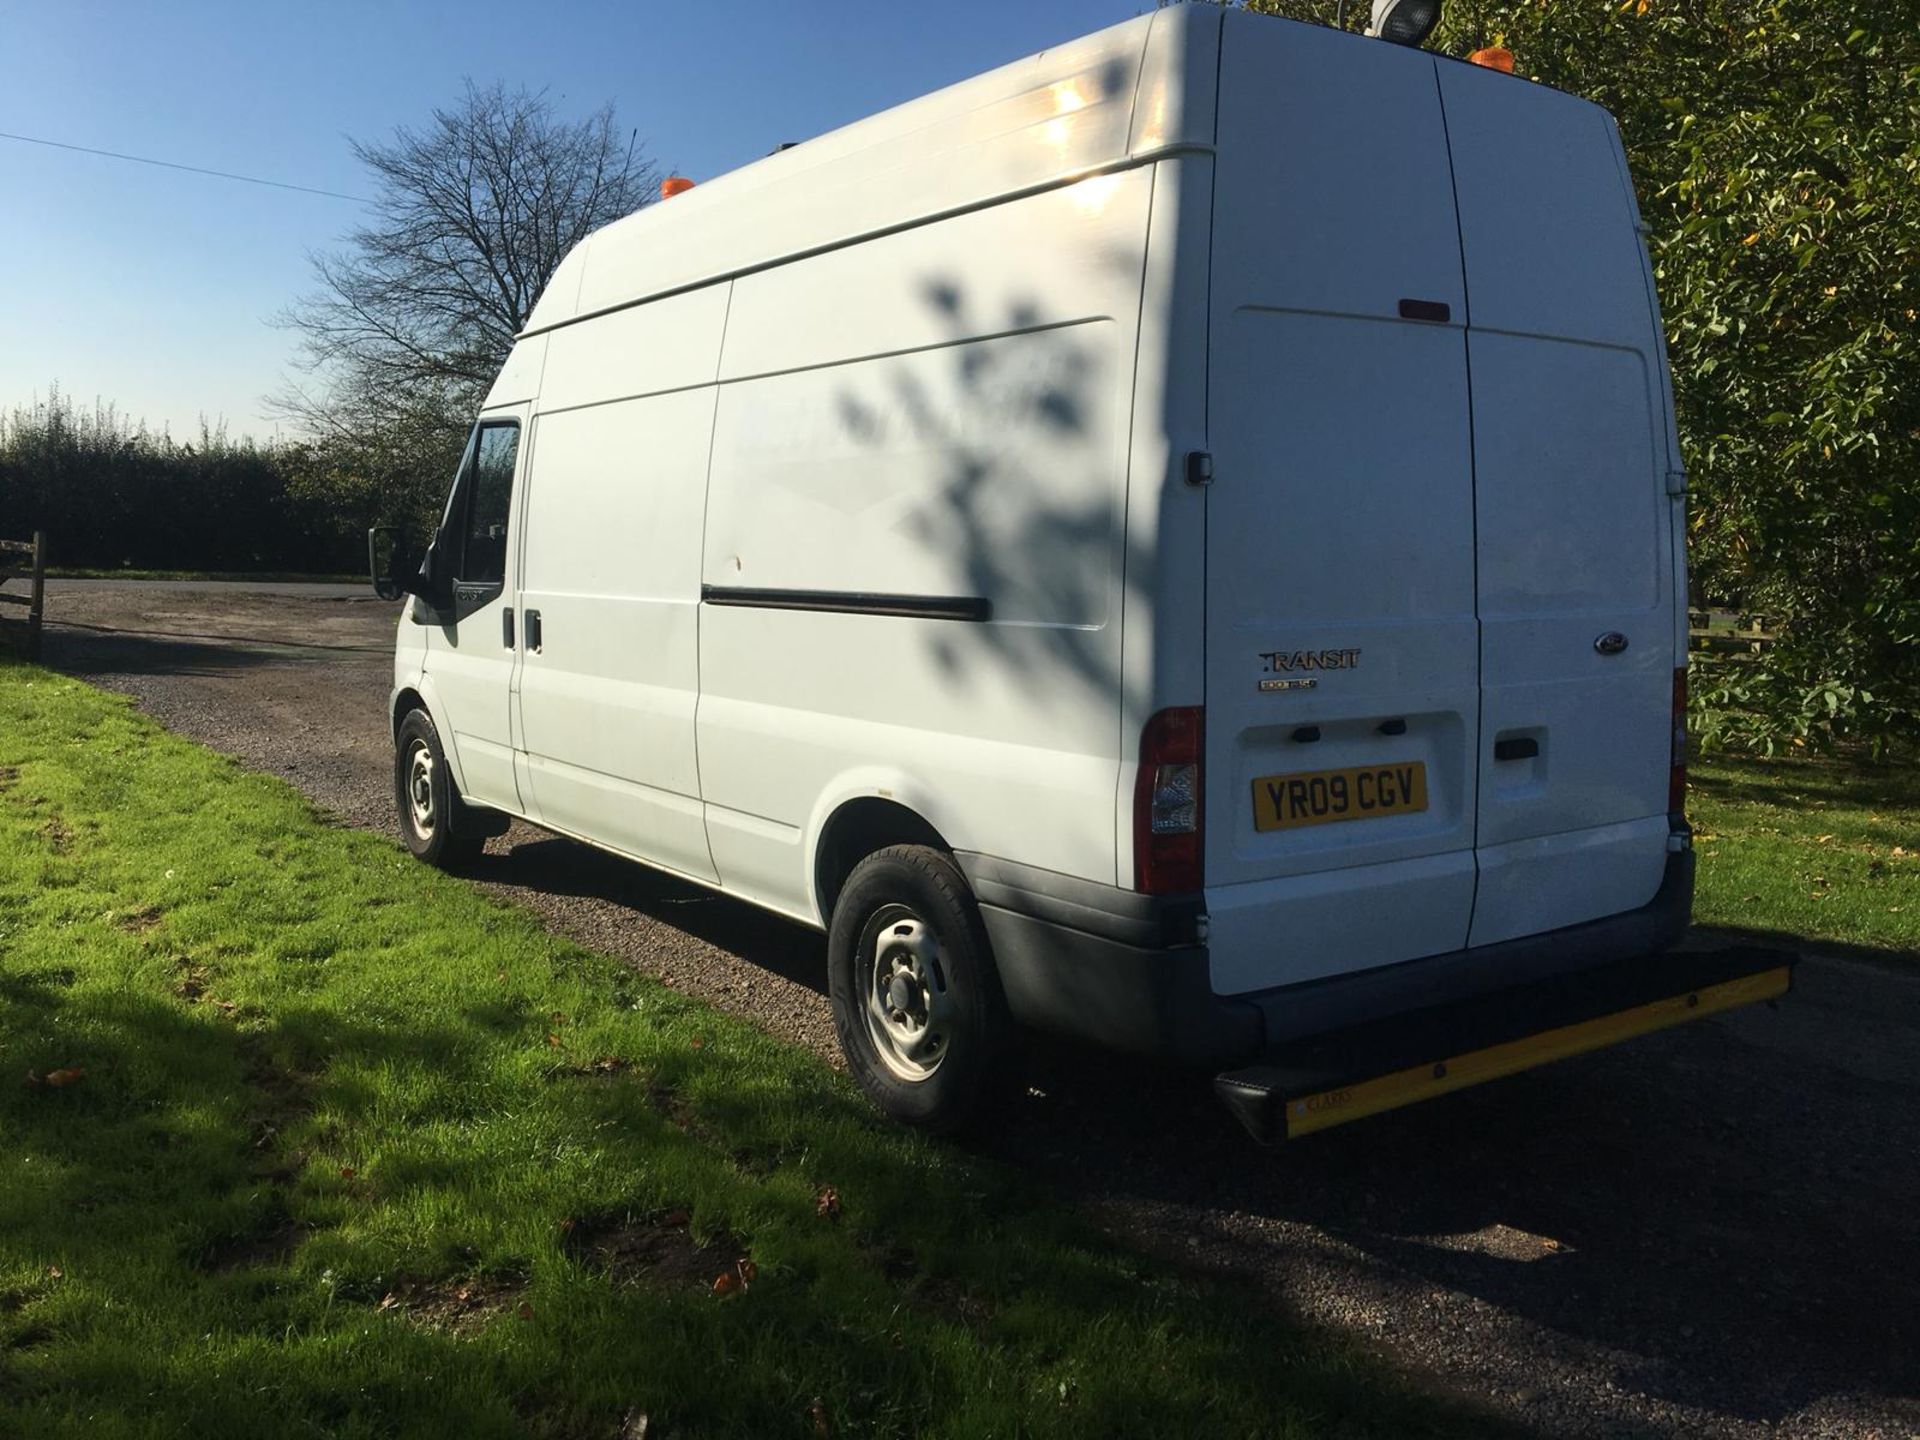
1324,1080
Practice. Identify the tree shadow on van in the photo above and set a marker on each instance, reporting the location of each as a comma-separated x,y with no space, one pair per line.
1010,439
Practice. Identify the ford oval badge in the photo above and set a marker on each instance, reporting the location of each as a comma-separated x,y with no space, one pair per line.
1611,643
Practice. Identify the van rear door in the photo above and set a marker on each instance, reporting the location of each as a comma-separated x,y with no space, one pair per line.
1342,663
1574,522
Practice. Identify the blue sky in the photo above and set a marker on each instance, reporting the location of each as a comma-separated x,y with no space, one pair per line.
152,288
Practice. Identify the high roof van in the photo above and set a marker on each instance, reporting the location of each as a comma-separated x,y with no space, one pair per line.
1176,542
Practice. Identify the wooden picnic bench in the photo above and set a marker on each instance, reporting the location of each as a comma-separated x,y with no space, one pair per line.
33,569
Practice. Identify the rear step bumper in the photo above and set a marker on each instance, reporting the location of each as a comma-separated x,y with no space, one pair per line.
1315,1082
1131,972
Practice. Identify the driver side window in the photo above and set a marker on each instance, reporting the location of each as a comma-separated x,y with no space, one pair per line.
486,491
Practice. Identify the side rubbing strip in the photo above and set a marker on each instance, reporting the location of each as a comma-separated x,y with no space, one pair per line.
1438,311
852,602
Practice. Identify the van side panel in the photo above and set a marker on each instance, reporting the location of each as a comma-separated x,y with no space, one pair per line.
664,345
612,567
939,414
1575,524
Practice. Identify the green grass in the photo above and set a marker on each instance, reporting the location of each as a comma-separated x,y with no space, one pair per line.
359,1151
86,572
1819,850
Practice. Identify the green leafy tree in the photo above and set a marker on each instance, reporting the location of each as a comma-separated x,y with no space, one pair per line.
1776,149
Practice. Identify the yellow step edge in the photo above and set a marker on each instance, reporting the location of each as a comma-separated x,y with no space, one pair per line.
1308,1113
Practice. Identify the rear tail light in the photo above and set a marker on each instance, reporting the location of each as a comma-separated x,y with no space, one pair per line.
1167,803
1677,773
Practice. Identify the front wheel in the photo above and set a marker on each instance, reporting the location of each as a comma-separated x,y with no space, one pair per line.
916,1000
423,793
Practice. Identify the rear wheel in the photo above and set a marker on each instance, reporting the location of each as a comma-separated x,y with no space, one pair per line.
430,810
916,1001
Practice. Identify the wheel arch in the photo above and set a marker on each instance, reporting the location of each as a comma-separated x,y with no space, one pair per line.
856,826
420,695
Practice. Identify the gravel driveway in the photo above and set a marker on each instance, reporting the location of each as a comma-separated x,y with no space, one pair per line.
1710,1232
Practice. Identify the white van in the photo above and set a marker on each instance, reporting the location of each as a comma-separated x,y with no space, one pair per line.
1177,541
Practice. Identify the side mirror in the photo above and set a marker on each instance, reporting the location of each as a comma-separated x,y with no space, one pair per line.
393,563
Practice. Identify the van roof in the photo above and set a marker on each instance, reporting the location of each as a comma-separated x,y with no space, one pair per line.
1132,93
1123,95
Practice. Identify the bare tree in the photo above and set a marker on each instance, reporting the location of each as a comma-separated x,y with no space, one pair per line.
413,317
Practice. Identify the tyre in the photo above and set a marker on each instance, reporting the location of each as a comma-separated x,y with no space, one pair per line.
430,811
916,1001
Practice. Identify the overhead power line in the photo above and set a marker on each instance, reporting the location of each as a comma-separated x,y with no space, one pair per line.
175,165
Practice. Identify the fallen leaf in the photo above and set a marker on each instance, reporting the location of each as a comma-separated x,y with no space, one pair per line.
525,1311
54,1272
462,1295
69,1076
553,1039
827,1204
698,1041
347,1172
817,1413
726,1284
388,1301
634,1427
1751,238
678,1219
1821,839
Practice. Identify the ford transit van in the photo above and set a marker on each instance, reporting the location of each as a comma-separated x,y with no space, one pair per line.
1177,541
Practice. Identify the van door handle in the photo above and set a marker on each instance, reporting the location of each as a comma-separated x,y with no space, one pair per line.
506,627
1524,749
533,631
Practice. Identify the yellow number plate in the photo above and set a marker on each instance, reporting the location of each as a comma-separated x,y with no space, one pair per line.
1319,797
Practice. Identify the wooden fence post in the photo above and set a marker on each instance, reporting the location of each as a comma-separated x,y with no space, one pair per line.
38,606
36,598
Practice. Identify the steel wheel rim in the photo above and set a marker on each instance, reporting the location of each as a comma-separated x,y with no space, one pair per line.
908,1009
420,786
